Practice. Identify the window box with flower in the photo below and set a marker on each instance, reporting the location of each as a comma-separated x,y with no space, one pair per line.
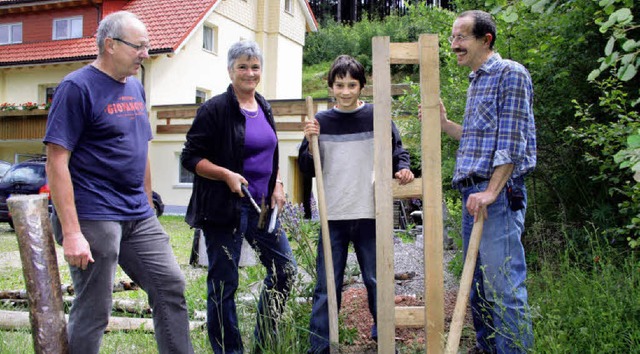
23,109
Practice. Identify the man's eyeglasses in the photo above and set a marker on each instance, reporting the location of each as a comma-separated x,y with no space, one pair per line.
137,47
459,38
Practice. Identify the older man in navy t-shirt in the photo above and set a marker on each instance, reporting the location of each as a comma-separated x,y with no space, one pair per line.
97,140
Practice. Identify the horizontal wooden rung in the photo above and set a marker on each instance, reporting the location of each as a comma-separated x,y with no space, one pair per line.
410,190
404,53
410,316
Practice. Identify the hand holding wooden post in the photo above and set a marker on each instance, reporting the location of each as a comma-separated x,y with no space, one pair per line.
326,240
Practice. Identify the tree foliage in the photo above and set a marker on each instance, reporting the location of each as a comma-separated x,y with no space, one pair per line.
351,11
623,46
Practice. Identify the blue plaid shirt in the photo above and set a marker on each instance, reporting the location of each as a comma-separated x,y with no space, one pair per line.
498,126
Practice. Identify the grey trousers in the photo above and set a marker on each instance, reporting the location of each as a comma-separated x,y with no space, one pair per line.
142,250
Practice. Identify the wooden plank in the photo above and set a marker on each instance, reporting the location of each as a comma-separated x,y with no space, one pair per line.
410,316
12,320
289,126
278,107
177,113
383,198
184,128
404,53
432,192
173,129
396,90
409,190
290,108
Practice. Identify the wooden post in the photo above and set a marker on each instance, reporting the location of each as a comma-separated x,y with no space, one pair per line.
466,280
426,54
40,269
326,240
432,192
382,162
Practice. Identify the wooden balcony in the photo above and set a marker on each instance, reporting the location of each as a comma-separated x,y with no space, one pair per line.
23,125
289,114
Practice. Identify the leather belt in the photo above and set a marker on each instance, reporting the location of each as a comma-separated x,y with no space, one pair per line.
471,181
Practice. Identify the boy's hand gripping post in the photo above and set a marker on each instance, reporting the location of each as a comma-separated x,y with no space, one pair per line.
326,240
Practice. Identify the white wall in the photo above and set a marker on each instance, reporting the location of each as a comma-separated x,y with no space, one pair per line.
20,85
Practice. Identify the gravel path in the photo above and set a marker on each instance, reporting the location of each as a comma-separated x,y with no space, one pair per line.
409,264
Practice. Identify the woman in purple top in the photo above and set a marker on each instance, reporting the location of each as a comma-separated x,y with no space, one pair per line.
232,142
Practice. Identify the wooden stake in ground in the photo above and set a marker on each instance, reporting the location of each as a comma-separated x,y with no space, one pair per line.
40,268
326,240
466,280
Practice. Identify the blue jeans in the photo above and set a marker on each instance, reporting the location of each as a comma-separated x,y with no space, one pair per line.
142,250
501,315
362,233
223,250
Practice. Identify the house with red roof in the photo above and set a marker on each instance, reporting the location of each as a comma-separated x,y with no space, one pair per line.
41,41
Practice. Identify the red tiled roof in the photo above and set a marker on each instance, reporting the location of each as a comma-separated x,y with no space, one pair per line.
168,22
50,51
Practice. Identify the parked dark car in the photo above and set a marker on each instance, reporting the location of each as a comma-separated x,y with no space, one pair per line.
4,167
28,177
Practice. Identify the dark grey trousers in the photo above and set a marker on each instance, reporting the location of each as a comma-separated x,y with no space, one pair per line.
142,250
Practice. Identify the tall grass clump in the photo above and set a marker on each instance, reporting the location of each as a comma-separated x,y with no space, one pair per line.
587,300
291,334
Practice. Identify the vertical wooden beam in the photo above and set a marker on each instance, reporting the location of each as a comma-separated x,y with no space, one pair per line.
383,198
432,192
332,300
40,269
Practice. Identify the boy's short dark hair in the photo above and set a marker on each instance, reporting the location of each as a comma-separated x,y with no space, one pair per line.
343,65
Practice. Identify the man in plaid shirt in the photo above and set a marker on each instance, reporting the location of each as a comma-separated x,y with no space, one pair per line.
497,150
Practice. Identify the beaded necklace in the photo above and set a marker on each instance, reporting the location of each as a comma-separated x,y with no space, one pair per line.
250,114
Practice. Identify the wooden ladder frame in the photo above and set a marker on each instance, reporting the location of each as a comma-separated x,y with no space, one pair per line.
426,54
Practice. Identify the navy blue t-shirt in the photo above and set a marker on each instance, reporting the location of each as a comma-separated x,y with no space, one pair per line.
104,123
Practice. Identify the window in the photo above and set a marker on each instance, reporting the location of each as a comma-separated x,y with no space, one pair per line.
184,175
48,94
66,28
45,92
201,96
11,33
210,38
288,6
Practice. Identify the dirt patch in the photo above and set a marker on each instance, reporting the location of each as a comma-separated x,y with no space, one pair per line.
409,290
355,315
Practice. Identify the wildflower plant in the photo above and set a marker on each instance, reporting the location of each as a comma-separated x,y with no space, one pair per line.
304,234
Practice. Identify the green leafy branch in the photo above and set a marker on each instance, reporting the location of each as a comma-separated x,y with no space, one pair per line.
622,51
630,156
